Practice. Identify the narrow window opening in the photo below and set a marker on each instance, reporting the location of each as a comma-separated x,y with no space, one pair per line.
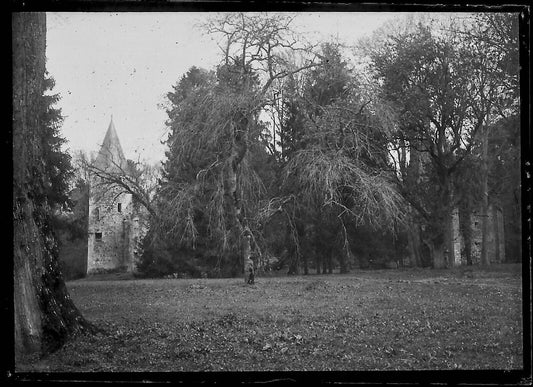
98,236
97,213
120,207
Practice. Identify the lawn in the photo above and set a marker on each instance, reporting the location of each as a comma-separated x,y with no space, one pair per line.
410,319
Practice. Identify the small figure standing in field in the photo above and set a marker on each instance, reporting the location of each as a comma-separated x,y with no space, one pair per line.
251,277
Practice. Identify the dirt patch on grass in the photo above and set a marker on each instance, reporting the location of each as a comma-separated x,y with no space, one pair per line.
375,320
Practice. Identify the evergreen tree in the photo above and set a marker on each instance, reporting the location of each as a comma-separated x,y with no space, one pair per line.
58,167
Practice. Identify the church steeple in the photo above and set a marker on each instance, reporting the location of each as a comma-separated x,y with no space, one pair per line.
111,155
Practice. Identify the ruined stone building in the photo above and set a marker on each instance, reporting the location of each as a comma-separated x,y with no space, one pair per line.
495,237
495,226
116,222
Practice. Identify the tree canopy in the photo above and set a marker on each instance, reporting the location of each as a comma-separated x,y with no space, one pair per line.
285,143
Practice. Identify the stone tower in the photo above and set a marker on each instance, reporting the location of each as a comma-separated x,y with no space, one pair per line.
113,220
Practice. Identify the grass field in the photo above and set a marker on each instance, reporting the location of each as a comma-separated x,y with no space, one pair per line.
412,319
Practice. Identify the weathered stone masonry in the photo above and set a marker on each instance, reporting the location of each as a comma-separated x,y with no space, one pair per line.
115,223
495,237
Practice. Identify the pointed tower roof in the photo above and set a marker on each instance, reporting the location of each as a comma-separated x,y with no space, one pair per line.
111,156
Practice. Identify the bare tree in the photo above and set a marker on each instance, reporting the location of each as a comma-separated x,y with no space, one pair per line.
225,121
442,88
81,161
493,39
334,162
139,179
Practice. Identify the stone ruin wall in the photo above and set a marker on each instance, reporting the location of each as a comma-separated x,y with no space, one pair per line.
495,238
137,229
111,252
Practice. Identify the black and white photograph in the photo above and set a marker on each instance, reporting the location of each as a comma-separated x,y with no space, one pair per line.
229,193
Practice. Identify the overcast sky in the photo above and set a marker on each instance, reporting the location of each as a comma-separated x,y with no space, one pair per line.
123,64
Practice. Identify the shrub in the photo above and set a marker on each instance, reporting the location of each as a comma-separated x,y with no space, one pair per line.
73,258
161,259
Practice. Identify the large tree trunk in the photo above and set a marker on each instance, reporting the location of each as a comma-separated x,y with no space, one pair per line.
45,316
438,254
345,253
411,177
414,244
305,264
292,242
466,229
436,250
237,221
448,251
496,231
248,264
485,259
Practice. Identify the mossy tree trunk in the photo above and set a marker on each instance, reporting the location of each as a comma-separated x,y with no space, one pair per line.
442,238
411,175
485,259
45,316
467,236
465,227
237,221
